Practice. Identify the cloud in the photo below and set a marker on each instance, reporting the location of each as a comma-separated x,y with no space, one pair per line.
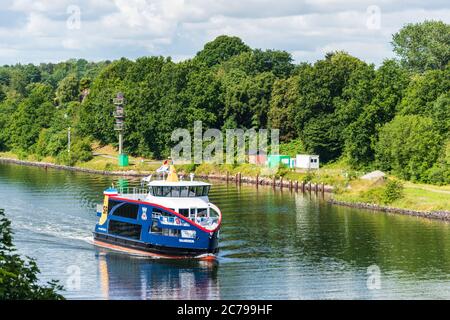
38,31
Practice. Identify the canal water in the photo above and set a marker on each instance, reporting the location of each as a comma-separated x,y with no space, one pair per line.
274,245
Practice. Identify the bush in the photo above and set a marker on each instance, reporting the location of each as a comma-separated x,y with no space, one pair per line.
18,277
82,150
386,194
51,143
66,159
440,172
292,148
392,191
373,195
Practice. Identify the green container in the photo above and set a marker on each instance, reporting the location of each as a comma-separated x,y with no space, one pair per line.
123,160
281,160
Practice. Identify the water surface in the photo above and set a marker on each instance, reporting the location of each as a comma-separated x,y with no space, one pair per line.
274,245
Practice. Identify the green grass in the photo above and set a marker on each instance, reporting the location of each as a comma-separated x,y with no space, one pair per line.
348,187
418,197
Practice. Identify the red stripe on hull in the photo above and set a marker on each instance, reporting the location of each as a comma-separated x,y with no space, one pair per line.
173,212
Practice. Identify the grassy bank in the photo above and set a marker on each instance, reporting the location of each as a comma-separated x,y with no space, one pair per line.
419,197
346,183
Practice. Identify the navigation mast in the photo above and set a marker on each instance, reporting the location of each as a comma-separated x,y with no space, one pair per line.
119,115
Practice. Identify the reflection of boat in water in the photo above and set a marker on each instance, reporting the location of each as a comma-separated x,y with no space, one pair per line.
169,219
138,278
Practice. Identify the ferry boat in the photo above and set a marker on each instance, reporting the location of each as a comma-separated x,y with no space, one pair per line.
169,218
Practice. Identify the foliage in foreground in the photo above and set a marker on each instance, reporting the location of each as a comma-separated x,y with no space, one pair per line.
18,277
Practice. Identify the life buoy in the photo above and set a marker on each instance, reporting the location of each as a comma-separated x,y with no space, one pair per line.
177,221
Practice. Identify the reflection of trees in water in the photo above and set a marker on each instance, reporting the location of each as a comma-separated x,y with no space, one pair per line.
274,224
86,188
123,276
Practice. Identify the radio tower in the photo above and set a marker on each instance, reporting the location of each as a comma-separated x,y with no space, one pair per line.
119,115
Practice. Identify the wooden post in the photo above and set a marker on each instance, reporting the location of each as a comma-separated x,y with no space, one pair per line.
296,186
236,178
274,181
309,187
316,187
257,180
281,183
290,185
228,176
303,186
323,188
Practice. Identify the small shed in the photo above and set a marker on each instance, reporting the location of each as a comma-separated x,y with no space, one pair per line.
307,161
275,160
374,175
257,157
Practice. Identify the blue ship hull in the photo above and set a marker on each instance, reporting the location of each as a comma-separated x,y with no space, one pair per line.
142,227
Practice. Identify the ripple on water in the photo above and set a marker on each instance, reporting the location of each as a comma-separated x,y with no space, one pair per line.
273,244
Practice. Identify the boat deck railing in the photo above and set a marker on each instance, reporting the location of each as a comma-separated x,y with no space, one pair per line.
133,192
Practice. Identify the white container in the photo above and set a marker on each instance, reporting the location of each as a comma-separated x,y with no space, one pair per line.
307,161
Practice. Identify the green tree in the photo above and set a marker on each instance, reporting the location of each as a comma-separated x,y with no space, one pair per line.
440,172
247,99
423,91
317,110
96,113
32,114
259,61
423,46
440,113
221,49
322,136
282,107
361,135
408,146
68,90
19,277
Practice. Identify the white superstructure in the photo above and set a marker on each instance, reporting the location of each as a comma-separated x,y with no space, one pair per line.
187,198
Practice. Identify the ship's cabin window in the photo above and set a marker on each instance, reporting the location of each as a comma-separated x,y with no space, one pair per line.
184,191
156,213
171,232
193,213
154,227
184,212
125,229
202,213
163,231
177,191
124,209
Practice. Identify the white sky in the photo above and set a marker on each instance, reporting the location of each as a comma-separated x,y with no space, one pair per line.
50,31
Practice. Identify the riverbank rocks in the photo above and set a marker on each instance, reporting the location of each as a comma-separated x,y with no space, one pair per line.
437,215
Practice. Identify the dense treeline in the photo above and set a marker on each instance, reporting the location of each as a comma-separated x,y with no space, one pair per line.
395,117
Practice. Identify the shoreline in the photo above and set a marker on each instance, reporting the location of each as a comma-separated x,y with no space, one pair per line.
263,181
238,178
435,215
46,165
